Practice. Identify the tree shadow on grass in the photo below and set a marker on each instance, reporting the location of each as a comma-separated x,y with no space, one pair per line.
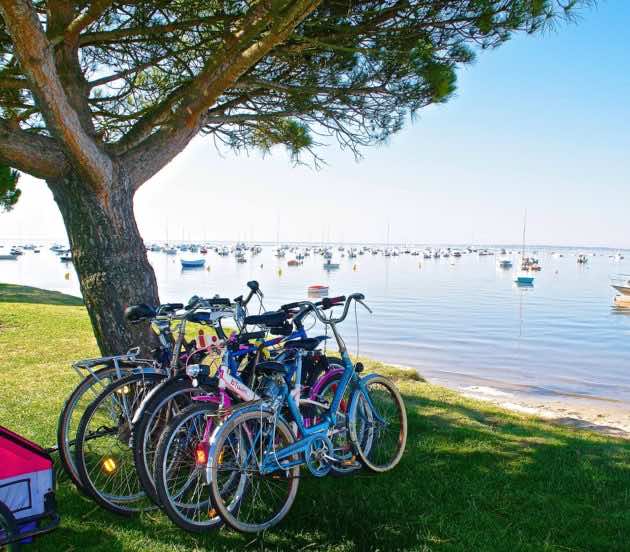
10,293
469,480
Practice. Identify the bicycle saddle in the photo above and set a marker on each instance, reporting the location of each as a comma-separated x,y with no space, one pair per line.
269,319
136,313
308,343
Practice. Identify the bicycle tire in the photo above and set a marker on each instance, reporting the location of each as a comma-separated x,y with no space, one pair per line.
175,510
121,463
228,512
364,438
145,464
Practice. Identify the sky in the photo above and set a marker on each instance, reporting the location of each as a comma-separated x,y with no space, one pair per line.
542,123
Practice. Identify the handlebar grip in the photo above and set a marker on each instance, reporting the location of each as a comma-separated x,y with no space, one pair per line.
328,302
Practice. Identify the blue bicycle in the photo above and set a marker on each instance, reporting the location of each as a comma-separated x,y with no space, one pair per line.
255,457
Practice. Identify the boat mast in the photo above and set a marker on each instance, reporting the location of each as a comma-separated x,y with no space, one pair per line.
524,227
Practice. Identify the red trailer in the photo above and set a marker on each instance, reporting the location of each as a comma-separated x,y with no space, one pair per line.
27,497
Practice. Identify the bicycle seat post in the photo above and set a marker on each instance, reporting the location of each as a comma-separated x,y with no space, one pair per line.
178,345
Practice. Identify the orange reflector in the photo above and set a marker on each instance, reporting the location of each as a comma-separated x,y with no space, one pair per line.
109,465
201,454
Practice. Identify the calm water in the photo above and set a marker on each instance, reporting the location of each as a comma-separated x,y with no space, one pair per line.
459,321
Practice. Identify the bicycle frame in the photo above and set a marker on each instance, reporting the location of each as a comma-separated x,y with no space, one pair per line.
274,460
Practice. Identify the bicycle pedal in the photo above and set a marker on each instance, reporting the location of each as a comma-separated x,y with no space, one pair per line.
352,463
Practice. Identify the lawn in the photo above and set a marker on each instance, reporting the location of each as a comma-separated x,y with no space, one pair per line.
473,478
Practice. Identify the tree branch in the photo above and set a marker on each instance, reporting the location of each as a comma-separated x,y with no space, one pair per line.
118,35
94,11
14,83
263,27
36,59
31,153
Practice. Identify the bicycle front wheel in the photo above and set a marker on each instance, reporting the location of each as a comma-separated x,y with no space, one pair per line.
248,499
104,453
377,422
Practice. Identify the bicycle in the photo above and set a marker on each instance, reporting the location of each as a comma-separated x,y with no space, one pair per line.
103,443
184,444
100,373
254,458
174,394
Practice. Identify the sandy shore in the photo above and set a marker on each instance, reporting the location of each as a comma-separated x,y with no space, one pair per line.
603,416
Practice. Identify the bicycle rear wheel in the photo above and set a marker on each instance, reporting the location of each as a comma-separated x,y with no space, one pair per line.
167,402
378,423
103,449
256,501
74,408
180,469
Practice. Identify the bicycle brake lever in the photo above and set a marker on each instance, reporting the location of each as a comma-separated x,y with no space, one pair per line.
365,306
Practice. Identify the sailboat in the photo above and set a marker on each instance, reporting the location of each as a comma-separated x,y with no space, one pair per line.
523,278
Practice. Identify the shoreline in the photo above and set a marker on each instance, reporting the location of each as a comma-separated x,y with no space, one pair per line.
604,416
601,415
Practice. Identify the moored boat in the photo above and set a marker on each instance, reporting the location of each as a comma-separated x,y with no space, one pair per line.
524,280
192,263
621,283
317,290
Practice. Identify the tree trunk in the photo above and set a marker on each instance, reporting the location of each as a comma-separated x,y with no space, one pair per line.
110,258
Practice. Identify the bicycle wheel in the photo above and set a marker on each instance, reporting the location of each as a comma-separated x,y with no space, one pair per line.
256,501
8,530
169,400
181,469
103,447
377,423
74,407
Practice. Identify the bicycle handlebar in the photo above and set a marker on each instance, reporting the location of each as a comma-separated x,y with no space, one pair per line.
328,303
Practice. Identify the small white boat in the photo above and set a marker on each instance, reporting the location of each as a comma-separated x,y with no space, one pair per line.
170,250
505,263
582,259
65,258
328,265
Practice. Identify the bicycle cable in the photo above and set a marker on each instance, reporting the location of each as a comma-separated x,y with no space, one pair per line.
356,323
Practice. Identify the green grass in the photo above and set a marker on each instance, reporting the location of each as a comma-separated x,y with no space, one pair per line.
473,478
10,293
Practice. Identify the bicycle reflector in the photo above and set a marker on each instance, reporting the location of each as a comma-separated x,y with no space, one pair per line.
108,465
201,453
